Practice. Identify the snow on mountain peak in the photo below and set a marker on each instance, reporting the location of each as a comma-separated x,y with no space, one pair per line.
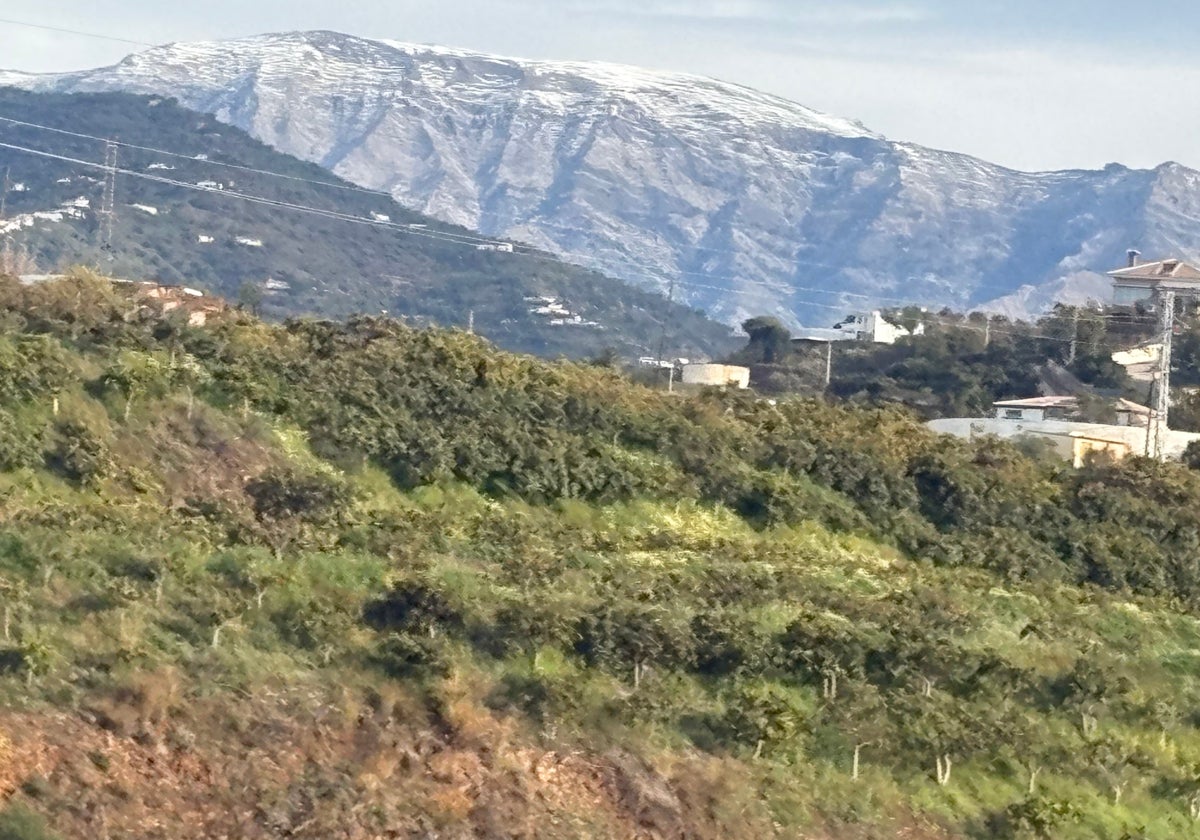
749,202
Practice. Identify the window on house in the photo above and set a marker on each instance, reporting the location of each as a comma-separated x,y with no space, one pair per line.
1012,414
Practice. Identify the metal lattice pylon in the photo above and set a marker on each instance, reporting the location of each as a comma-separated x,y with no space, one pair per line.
1165,300
108,204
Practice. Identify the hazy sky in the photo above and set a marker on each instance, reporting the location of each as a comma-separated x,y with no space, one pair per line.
1033,84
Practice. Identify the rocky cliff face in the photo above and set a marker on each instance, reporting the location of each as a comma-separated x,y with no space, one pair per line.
747,203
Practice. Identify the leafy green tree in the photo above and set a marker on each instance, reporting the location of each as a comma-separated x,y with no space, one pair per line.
250,297
862,716
1037,817
1117,762
290,503
80,452
767,715
770,341
138,374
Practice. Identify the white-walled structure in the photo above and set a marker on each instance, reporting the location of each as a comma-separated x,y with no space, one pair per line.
872,327
725,376
1048,418
1036,409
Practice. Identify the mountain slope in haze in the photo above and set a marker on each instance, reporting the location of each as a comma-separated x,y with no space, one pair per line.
308,263
751,203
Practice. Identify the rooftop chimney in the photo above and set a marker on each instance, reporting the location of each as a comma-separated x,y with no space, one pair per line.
1134,257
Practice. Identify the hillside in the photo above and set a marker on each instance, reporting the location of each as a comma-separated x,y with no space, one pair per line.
753,204
304,263
341,580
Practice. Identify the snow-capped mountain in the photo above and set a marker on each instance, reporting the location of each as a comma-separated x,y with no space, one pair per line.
749,203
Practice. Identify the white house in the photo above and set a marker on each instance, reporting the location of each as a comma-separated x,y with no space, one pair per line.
248,242
664,364
204,239
380,217
1137,281
1054,420
873,327
1036,409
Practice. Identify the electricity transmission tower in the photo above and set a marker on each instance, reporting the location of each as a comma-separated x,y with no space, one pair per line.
1164,299
108,204
1166,281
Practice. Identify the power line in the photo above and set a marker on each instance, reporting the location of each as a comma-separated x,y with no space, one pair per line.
585,258
196,160
78,32
444,236
801,262
597,262
581,258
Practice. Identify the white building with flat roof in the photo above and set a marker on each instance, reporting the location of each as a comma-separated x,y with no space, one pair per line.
872,327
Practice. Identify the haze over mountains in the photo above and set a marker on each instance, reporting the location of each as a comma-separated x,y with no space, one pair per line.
748,203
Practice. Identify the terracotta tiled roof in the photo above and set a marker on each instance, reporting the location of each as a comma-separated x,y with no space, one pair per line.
1161,270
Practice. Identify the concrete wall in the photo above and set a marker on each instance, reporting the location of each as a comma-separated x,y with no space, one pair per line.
718,375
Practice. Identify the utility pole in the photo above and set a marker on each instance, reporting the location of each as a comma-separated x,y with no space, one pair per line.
471,322
987,331
662,342
1165,299
828,363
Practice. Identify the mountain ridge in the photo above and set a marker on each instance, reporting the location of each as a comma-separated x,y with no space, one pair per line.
747,202
314,244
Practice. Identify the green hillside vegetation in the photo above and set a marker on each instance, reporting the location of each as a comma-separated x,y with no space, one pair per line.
325,580
331,268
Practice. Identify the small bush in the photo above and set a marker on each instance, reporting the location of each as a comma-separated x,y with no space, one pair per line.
21,443
79,453
17,822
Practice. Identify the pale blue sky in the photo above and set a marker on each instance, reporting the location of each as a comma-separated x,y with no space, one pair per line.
1029,84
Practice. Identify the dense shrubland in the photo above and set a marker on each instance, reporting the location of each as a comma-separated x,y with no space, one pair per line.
791,617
